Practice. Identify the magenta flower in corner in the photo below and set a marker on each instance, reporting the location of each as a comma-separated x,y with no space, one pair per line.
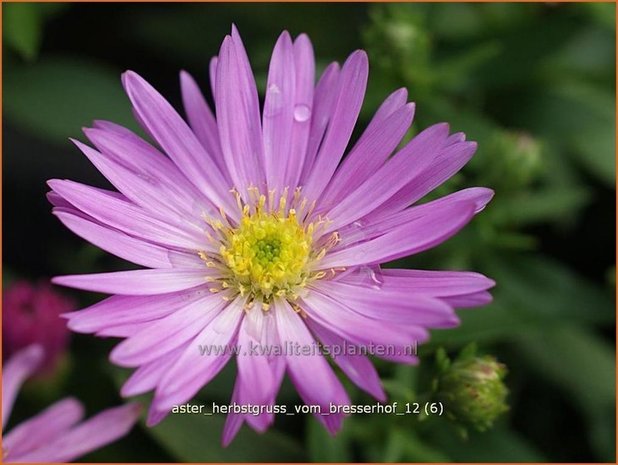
56,434
256,231
31,315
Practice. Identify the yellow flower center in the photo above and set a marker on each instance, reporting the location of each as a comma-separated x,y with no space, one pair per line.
268,253
272,251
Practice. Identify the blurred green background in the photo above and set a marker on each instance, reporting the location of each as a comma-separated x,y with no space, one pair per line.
534,84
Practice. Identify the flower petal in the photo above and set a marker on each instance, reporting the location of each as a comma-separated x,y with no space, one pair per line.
448,162
350,94
254,371
476,299
403,167
278,116
238,116
136,282
19,368
131,219
179,327
121,309
212,74
383,134
376,225
115,242
177,140
147,177
234,421
304,63
313,377
147,376
401,306
193,369
357,367
435,283
324,100
413,237
355,327
201,119
100,430
51,423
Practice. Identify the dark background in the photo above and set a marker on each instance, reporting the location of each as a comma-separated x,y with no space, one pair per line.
532,83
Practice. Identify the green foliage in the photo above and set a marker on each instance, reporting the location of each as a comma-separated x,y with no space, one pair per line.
23,26
195,438
72,94
533,84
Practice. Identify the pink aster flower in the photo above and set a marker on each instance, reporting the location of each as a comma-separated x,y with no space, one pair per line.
31,315
257,231
55,435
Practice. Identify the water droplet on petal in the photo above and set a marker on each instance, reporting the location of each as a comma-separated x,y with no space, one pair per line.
274,101
372,276
302,113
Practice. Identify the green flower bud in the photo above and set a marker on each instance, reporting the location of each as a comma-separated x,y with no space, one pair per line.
515,159
472,389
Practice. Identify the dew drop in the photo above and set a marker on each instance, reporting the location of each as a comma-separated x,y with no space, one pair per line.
372,276
274,101
302,113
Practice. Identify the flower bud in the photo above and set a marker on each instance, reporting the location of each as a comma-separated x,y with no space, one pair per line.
473,390
516,159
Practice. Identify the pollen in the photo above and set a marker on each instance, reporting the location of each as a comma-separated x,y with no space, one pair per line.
271,251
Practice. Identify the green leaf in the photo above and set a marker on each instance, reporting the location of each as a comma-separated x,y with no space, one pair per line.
579,118
56,97
576,360
405,446
325,448
542,290
490,323
197,438
23,26
496,445
543,205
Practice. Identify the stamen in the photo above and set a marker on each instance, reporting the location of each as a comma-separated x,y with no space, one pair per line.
271,251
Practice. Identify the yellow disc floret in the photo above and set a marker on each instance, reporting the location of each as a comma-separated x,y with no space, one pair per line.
268,253
272,250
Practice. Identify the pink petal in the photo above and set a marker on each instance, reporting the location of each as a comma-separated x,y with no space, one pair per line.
357,367
448,162
201,119
324,100
314,379
370,152
254,372
413,237
48,425
129,218
278,116
120,244
304,63
147,376
401,306
120,309
179,327
382,135
238,116
19,368
177,140
98,431
399,170
351,91
192,369
136,282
